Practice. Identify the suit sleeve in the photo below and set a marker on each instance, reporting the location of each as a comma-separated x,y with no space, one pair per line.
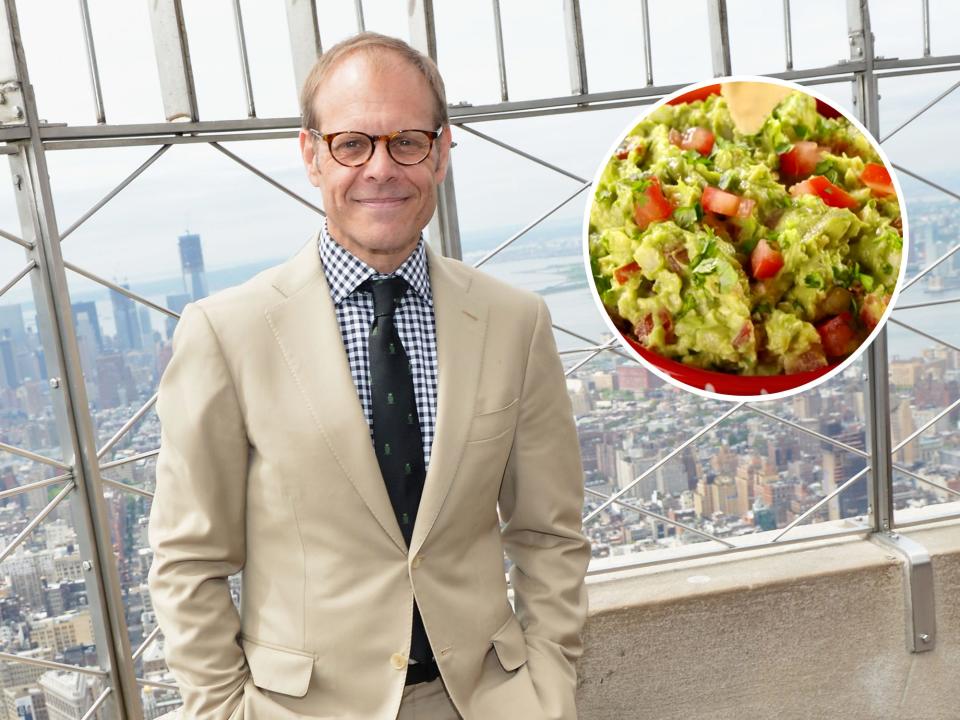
197,530
541,505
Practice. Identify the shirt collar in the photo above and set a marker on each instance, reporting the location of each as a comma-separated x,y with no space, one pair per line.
345,272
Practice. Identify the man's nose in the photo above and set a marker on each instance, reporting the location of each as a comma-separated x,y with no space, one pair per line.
380,165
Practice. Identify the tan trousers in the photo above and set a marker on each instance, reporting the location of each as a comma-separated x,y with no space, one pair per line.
427,701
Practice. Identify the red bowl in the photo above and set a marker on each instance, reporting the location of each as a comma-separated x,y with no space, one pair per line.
726,383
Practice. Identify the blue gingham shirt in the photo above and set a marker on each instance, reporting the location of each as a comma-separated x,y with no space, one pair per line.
413,319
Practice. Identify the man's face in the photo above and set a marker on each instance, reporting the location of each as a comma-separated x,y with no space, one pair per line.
377,210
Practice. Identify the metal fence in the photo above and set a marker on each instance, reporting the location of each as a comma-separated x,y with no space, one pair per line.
79,476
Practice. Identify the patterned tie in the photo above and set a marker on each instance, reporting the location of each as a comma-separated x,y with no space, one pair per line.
397,439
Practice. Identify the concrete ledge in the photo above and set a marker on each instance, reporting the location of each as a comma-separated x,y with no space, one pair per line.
805,631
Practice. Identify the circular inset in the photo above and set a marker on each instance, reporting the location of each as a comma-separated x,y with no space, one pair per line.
745,239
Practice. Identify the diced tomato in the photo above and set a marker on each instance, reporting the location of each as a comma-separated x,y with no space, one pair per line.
871,311
824,189
746,207
699,139
877,178
719,201
675,137
623,273
828,111
669,337
694,95
807,361
652,206
746,332
765,261
838,335
644,328
800,160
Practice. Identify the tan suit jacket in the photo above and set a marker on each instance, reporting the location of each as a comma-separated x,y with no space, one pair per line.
266,466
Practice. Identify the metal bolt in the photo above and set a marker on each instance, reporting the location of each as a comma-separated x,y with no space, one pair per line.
925,638
87,565
54,382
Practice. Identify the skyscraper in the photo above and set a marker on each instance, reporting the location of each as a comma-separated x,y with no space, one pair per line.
125,318
89,310
191,261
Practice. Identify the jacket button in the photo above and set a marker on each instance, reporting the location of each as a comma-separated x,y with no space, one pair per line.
398,661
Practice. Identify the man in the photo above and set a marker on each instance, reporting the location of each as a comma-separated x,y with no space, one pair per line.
343,428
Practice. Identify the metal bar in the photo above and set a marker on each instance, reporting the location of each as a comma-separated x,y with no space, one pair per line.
173,59
927,521
662,518
92,712
126,426
34,456
588,358
169,140
572,333
83,670
129,459
160,129
925,4
808,431
930,267
122,290
156,683
931,303
576,55
937,340
647,49
92,62
358,12
820,503
18,277
719,37
509,241
927,425
11,236
126,488
501,60
37,519
787,34
916,476
932,184
146,643
304,36
113,193
921,111
259,173
918,69
577,351
722,552
693,438
244,60
918,584
35,485
523,154
423,28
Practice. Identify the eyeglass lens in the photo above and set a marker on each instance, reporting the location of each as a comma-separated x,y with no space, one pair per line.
407,148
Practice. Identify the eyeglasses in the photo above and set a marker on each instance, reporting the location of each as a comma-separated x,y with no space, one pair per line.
352,148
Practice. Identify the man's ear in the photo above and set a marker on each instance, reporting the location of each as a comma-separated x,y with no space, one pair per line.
443,156
307,151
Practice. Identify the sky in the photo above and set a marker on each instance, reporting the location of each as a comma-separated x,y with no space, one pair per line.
242,219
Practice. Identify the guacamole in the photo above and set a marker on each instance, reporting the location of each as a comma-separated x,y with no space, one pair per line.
757,254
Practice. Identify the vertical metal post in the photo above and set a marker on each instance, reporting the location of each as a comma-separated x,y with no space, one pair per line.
719,37
647,50
92,62
576,55
501,62
866,100
173,59
51,294
304,38
787,34
244,60
444,228
926,27
358,11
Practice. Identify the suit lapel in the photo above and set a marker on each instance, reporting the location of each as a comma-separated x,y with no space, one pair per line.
461,322
305,326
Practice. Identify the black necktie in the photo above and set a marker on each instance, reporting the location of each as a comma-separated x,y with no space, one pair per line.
397,439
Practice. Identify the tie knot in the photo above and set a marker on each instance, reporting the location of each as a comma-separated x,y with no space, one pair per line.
387,293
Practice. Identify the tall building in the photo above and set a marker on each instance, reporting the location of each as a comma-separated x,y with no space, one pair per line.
69,695
191,261
9,377
11,319
125,318
87,311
